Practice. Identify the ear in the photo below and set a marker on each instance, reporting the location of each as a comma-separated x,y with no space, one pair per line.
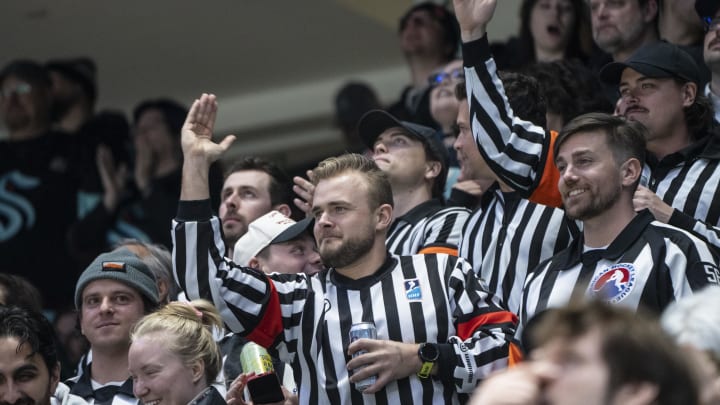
640,393
650,11
689,92
432,169
284,209
254,263
384,215
631,171
162,289
198,371
54,377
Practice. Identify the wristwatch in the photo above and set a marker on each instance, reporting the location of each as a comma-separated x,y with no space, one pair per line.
428,353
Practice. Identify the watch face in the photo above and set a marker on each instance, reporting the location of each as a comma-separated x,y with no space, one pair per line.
429,352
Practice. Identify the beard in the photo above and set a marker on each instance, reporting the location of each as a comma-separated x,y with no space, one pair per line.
26,400
348,252
595,207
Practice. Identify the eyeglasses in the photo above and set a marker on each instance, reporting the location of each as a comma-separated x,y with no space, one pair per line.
711,24
19,89
440,77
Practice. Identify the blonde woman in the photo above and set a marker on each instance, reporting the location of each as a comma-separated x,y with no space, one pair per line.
173,358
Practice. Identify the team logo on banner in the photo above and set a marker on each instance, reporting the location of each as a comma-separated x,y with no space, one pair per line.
614,283
412,290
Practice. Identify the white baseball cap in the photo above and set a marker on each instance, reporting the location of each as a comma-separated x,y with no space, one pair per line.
266,230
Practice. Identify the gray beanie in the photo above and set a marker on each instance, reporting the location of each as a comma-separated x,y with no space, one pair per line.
120,265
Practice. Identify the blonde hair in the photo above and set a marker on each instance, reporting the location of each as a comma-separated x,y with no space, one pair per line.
187,331
379,190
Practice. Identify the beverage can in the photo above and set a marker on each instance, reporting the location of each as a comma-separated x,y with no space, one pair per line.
254,358
359,331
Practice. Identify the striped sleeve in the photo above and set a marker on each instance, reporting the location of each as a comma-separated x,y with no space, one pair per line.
484,339
443,231
246,298
516,150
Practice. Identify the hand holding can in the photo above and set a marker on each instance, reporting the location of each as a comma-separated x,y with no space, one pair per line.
359,331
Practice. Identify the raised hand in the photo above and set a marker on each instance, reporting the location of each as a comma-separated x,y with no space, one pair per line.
304,190
473,17
113,178
198,130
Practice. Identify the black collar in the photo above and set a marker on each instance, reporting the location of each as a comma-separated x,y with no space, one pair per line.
420,212
346,282
83,387
634,230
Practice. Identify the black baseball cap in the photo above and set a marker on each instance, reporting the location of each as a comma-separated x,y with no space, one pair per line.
657,60
707,8
375,122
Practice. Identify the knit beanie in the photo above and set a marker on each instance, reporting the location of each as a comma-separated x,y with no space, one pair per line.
119,265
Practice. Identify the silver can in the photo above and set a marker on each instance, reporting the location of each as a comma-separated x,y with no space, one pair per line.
359,331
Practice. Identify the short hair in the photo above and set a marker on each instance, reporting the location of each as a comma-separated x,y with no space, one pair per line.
525,97
570,88
32,328
626,139
447,21
18,291
158,260
633,346
173,113
279,181
27,70
695,321
379,190
186,330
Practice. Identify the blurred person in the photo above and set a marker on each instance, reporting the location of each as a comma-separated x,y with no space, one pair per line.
352,208
29,367
159,260
507,236
16,290
38,185
694,324
570,89
621,27
592,353
709,10
680,24
173,357
74,91
550,30
253,187
136,204
111,295
428,39
352,101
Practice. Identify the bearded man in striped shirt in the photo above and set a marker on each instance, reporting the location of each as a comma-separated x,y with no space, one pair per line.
438,331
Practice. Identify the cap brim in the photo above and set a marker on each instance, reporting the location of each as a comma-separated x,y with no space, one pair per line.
293,231
612,72
374,123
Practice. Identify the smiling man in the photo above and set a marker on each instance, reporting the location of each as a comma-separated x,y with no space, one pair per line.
29,367
112,294
623,257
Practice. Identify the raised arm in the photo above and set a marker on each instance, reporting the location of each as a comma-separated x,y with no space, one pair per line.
518,151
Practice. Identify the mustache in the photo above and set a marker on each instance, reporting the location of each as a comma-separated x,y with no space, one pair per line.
21,401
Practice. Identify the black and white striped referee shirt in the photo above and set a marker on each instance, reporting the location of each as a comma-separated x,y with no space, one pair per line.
517,150
508,236
430,227
650,264
420,298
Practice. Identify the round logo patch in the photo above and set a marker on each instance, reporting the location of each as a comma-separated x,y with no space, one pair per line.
614,283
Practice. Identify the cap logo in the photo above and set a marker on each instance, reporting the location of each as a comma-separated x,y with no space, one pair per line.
114,266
